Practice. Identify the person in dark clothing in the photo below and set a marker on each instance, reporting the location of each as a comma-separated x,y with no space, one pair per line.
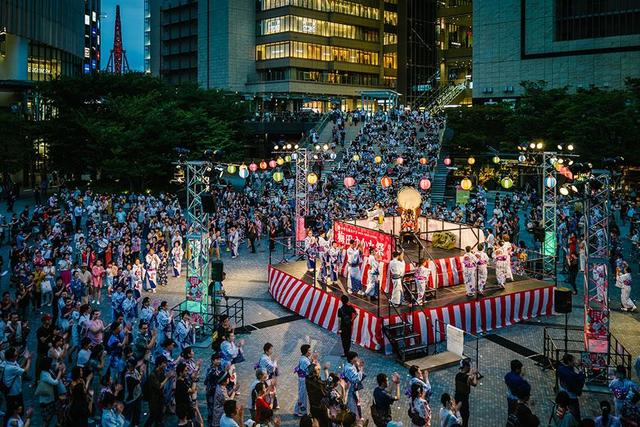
154,395
80,407
346,314
515,383
184,390
571,382
573,267
522,415
316,391
382,399
465,379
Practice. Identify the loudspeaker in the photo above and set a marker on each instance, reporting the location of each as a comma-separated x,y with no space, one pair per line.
208,203
562,300
217,270
310,221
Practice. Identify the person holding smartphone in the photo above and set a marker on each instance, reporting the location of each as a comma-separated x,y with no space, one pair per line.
465,379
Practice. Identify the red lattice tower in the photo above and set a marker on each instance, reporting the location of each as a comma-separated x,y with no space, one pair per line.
118,63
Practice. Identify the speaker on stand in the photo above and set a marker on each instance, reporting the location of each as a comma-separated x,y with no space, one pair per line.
562,299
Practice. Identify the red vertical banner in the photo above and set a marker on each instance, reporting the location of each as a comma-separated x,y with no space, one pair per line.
343,233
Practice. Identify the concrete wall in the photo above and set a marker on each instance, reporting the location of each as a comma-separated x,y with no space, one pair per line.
226,43
499,62
13,66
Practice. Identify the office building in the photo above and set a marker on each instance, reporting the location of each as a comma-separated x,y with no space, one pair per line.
91,54
567,43
301,54
39,40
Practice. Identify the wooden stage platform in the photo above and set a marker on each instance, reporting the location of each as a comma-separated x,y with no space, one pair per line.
293,287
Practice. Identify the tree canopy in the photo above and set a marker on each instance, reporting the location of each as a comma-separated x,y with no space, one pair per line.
599,123
126,128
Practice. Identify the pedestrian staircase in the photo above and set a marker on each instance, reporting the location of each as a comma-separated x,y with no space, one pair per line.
406,343
439,183
435,101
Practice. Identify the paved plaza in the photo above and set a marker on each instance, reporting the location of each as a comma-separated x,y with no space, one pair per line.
247,278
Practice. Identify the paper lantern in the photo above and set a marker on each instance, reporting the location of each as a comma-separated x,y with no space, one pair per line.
377,159
506,182
263,165
550,182
280,161
471,161
278,176
294,156
423,160
349,182
399,160
447,161
496,159
287,158
356,158
253,167
522,158
231,169
273,164
243,172
425,184
386,182
312,178
465,184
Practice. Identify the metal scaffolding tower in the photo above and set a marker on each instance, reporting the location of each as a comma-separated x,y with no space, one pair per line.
301,196
596,274
549,215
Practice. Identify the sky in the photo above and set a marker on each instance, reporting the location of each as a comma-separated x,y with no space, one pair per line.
132,18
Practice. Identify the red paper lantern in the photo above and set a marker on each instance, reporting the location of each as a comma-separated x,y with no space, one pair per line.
386,182
423,160
425,184
263,165
399,160
447,161
349,182
253,167
273,164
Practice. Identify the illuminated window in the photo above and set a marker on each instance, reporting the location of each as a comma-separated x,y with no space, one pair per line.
93,16
295,49
87,21
338,6
87,52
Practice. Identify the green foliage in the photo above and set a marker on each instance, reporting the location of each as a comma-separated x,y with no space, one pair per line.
598,123
125,128
16,142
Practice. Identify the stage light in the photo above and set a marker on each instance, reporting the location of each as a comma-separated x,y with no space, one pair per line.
231,169
570,147
288,146
325,147
263,165
253,167
280,161
377,159
276,147
532,145
356,158
315,157
559,147
570,162
278,176
466,184
425,184
506,182
423,160
312,178
539,145
273,164
550,181
496,159
561,160
399,160
386,182
471,161
447,161
349,181
573,188
296,146
317,147
244,171
332,155
522,158
564,191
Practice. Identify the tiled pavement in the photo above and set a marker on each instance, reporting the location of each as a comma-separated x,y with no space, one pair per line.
247,277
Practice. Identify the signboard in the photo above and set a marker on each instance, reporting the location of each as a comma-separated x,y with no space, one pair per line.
343,233
422,88
462,196
455,340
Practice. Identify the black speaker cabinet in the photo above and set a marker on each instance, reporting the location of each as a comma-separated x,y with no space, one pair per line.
562,300
217,269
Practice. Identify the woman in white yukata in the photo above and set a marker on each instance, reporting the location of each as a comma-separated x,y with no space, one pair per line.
469,263
508,251
176,258
502,264
422,279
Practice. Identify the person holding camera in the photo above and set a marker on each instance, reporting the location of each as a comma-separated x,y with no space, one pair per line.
465,379
571,382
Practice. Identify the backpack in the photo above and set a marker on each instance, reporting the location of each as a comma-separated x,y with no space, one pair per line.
415,418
